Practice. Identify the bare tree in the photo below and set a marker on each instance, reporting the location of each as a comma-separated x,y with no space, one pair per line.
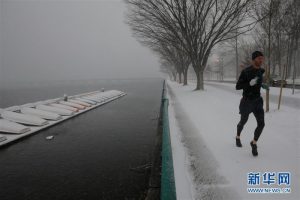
197,25
293,30
153,33
265,12
168,69
174,56
279,25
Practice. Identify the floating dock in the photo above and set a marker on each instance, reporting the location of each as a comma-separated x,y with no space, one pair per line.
17,122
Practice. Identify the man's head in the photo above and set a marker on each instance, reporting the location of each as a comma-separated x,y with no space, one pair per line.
257,58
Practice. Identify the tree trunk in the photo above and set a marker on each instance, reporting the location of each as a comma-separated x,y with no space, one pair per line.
175,76
269,56
200,84
290,56
185,73
287,59
295,68
279,55
298,51
273,67
236,58
180,80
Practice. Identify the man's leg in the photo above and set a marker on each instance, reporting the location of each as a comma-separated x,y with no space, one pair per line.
240,126
260,119
259,114
243,121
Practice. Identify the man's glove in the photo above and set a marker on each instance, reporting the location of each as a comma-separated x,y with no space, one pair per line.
265,86
253,81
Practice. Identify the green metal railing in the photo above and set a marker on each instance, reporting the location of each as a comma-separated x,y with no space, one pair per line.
168,190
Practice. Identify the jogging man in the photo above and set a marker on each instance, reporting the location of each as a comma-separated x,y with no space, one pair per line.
251,80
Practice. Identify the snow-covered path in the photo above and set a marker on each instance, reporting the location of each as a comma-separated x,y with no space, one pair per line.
206,162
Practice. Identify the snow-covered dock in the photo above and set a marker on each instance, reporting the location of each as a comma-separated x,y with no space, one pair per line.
19,121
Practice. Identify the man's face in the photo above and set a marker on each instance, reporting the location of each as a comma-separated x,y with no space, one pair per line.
258,61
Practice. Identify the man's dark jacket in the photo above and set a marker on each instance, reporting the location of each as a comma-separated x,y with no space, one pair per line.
249,73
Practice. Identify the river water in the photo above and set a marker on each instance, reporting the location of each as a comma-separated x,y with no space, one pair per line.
91,155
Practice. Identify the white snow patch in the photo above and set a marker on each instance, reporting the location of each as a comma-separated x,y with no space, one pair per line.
183,182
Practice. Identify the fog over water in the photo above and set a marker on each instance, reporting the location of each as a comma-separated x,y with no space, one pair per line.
49,40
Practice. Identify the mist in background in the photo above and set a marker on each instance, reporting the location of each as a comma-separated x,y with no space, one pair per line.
54,40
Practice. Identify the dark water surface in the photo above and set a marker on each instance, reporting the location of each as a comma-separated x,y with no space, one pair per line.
91,155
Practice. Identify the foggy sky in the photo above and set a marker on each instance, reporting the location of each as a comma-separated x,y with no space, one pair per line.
69,40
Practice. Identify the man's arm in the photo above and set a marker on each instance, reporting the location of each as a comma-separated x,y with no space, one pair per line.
242,83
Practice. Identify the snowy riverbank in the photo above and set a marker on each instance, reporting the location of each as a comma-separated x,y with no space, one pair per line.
207,163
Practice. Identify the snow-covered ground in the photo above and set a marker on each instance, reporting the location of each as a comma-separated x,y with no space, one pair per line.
207,163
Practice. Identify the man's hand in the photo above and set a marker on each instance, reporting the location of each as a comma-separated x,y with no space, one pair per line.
265,86
253,81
